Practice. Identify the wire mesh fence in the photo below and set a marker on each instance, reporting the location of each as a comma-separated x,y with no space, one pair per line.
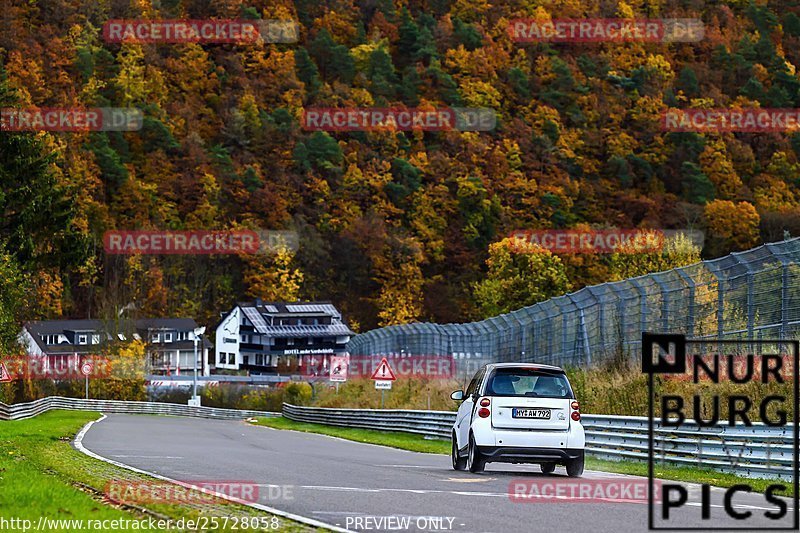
748,295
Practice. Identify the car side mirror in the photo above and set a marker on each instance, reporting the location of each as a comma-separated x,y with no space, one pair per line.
457,395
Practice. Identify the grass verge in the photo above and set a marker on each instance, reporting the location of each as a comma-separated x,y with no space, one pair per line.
393,439
42,475
417,443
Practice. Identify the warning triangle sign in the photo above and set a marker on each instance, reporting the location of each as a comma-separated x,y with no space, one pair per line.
384,371
4,375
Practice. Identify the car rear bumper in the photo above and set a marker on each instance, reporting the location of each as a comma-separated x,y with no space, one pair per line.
515,454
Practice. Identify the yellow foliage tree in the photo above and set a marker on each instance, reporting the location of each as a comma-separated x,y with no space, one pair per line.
400,298
734,226
273,279
719,169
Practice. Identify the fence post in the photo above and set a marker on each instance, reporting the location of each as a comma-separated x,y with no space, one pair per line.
751,304
587,350
784,300
642,304
690,284
664,302
601,318
623,330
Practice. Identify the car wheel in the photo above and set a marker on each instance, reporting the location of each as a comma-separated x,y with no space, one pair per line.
459,463
575,466
547,468
475,461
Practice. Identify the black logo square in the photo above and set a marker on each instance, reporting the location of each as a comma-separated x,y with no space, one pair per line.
672,344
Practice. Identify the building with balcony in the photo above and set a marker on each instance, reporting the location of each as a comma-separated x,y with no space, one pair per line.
280,338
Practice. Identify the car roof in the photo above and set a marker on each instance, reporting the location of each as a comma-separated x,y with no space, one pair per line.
534,366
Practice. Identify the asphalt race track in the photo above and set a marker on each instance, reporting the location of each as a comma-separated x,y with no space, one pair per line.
357,486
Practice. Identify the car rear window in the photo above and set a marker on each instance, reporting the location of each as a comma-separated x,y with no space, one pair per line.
530,383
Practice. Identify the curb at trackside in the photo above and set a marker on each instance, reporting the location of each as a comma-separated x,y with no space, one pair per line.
78,443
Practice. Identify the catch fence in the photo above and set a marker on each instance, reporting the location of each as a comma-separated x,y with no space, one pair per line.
748,295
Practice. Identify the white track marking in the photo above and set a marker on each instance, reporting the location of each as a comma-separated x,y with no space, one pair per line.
291,516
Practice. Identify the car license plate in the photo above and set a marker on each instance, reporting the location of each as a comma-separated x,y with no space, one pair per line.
531,413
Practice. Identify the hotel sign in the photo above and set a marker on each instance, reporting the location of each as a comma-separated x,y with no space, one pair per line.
309,351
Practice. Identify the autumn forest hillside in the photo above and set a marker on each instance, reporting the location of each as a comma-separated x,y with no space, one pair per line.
393,226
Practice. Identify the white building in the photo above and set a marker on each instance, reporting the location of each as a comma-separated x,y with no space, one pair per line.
169,342
268,338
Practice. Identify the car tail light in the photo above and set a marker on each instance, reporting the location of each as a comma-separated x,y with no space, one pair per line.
485,402
575,405
483,412
576,416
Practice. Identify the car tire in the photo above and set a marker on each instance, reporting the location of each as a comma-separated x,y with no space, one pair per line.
548,468
575,466
475,461
459,463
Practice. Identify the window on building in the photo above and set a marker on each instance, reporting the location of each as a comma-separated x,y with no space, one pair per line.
246,359
289,342
155,337
231,358
121,336
95,339
222,357
82,339
167,337
183,335
310,340
260,359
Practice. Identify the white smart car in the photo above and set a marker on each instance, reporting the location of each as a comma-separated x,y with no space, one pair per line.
518,413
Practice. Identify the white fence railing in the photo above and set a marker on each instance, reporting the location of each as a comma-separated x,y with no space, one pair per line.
756,451
21,411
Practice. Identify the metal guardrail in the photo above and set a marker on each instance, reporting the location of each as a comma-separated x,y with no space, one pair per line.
757,451
21,411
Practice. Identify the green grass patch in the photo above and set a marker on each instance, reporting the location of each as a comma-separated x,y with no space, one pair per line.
417,443
685,474
393,439
41,474
31,452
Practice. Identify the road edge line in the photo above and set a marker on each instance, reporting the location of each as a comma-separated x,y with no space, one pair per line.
78,444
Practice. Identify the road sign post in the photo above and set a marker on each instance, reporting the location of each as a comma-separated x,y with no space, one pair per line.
86,369
338,369
5,377
383,376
